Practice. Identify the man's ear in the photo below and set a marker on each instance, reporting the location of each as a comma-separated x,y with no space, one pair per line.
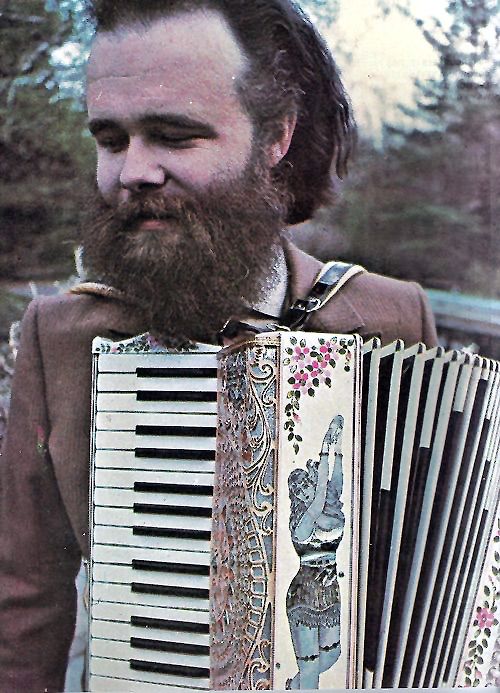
278,149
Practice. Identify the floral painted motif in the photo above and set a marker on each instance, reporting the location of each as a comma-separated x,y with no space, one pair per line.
142,344
485,624
311,368
485,618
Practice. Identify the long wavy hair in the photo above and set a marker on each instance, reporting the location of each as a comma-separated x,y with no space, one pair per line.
291,72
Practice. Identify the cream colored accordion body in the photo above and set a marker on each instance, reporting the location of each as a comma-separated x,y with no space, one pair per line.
298,511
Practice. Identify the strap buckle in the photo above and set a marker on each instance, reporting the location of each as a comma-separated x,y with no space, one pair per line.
330,280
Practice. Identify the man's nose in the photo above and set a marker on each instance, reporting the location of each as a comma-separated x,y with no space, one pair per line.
141,168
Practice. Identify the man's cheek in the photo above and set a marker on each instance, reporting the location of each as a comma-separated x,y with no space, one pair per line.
108,176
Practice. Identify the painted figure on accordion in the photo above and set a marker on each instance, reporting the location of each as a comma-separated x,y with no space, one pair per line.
316,528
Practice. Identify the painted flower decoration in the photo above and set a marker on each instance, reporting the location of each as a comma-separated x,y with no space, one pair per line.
329,351
485,618
300,381
301,353
311,367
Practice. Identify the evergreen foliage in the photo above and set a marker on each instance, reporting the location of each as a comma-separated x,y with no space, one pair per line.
426,205
43,150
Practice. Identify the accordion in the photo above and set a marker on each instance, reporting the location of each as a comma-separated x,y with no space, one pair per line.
298,511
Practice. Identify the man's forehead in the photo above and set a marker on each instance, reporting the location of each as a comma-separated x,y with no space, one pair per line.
201,39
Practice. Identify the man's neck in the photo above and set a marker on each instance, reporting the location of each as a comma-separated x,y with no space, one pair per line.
274,299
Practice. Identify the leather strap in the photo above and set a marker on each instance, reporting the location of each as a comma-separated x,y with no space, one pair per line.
332,277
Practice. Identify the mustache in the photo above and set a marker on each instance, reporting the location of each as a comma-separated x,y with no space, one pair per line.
151,206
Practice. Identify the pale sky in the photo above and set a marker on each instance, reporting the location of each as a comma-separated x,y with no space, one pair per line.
386,55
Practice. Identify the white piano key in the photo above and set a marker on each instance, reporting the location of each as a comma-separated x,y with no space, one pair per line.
126,459
128,402
105,684
127,421
129,382
113,630
126,479
126,498
128,440
127,363
123,612
126,517
123,594
126,575
120,669
123,554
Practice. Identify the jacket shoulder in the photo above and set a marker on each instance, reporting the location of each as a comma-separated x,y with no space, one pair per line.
82,317
387,308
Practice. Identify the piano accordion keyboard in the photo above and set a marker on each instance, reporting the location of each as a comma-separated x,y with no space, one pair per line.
154,452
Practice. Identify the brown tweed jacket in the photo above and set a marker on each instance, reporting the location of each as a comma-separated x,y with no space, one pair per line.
44,470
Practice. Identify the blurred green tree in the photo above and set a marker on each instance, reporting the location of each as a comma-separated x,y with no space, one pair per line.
426,205
43,149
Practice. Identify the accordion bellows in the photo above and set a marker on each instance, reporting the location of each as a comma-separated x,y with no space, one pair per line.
354,535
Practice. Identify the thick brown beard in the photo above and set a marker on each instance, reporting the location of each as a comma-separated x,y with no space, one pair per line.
190,280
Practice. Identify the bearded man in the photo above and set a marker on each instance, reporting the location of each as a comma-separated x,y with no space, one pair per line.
217,123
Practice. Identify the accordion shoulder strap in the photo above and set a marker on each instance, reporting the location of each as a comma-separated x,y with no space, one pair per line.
332,277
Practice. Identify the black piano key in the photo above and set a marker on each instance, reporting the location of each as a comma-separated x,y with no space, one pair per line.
165,646
166,396
191,431
173,669
175,454
169,624
176,372
170,590
186,489
154,509
173,533
165,567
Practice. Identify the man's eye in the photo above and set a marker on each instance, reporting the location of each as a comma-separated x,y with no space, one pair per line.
111,143
172,139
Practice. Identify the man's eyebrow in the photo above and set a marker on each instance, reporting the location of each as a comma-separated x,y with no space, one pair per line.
96,125
180,121
172,120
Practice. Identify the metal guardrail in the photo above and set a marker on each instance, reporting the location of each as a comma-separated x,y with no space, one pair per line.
465,313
